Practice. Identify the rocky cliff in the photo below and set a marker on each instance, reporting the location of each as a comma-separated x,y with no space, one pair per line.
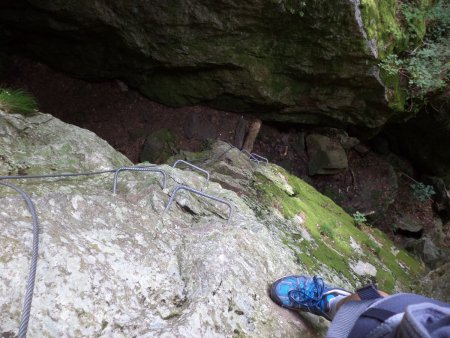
304,61
116,264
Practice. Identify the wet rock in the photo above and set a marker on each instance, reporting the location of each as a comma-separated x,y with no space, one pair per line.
159,146
326,156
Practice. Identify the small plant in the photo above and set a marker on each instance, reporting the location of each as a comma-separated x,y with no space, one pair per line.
17,101
421,191
373,246
327,230
359,218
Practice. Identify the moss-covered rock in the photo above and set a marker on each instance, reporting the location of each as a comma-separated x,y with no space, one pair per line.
118,265
334,245
311,62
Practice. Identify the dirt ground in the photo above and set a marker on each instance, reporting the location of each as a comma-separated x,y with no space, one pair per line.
124,118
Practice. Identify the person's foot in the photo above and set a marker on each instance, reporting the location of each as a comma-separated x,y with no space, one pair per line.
306,294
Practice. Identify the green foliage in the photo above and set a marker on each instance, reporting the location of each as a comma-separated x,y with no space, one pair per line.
359,218
414,17
17,101
421,191
327,230
426,64
392,64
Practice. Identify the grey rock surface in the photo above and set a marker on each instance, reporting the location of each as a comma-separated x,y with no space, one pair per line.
437,282
118,266
114,265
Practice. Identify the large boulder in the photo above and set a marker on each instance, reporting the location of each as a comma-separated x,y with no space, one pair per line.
305,61
117,265
326,156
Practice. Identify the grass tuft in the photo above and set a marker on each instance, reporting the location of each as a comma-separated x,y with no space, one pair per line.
17,101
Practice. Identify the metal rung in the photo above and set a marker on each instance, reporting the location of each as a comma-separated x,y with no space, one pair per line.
116,173
183,187
261,157
195,167
252,158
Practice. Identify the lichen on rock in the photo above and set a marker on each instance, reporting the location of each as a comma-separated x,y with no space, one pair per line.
117,265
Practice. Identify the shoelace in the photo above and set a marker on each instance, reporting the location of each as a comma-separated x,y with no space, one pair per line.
310,295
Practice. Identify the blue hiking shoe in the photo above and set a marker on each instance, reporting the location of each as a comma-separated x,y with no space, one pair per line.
306,294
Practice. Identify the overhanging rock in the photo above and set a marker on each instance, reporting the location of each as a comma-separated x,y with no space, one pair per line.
303,61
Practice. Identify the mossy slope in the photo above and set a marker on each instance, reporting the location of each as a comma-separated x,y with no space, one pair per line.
327,242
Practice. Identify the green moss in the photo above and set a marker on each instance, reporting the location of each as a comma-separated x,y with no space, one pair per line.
395,93
394,27
381,24
385,280
332,248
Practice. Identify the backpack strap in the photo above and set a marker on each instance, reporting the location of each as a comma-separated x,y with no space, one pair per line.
378,314
383,309
368,292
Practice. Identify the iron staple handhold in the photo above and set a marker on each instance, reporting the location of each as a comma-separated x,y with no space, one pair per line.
195,167
142,168
183,187
261,157
252,158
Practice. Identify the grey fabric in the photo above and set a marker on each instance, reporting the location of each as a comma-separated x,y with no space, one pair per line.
395,303
417,317
346,318
424,321
387,329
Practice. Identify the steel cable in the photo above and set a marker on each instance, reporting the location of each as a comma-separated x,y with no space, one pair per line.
34,257
56,175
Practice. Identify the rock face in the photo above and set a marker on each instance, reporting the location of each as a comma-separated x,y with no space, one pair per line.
438,281
311,62
325,155
116,265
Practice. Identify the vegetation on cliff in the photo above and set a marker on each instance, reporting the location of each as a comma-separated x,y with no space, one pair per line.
422,59
17,101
